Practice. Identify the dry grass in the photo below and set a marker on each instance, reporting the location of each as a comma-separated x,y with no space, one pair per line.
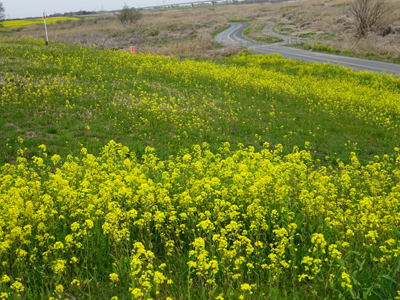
334,18
186,31
197,47
170,32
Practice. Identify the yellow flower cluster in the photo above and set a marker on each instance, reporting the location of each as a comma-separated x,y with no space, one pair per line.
221,224
371,98
347,91
241,220
29,22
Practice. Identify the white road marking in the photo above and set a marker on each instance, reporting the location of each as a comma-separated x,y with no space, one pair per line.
302,55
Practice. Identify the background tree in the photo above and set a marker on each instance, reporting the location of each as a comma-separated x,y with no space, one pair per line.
129,16
369,13
2,10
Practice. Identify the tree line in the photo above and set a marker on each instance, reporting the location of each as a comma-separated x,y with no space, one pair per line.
2,10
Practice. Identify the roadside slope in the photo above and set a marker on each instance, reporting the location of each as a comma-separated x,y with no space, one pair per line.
234,36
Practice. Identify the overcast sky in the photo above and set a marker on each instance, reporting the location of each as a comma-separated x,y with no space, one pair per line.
34,8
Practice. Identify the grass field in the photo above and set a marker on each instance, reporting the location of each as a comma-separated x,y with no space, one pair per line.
346,52
254,32
150,177
220,30
29,22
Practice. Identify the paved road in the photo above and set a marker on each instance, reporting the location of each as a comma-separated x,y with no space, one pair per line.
234,37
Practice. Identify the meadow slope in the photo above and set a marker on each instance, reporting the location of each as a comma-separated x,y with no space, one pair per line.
246,177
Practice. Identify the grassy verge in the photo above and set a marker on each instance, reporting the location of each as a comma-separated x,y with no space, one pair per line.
280,27
161,42
239,20
220,30
318,47
320,36
254,32
9,31
6,32
216,45
89,106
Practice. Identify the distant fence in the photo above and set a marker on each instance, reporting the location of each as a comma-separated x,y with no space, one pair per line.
253,44
296,40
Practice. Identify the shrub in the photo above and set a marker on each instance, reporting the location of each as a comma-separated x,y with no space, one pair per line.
129,16
368,13
154,32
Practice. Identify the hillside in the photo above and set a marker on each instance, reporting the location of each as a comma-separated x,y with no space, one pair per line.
241,177
187,31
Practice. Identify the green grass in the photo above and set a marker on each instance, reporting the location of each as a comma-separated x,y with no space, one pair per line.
216,45
326,36
307,35
162,42
279,27
239,20
93,94
268,39
220,30
8,32
254,32
318,47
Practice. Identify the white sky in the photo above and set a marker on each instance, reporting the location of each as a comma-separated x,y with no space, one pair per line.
34,8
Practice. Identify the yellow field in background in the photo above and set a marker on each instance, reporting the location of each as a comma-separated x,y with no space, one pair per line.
29,22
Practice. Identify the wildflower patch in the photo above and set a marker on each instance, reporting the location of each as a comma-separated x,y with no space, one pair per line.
234,224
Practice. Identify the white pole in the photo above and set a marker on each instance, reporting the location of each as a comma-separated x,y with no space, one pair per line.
45,28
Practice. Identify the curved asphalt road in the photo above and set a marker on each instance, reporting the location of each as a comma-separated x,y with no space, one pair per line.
234,37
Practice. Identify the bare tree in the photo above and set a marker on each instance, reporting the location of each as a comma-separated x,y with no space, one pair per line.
2,10
129,16
369,13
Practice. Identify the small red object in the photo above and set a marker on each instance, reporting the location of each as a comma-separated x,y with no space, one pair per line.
133,50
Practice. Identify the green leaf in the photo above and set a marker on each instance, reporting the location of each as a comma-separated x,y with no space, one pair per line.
340,262
396,230
380,297
353,277
355,282
377,286
362,265
298,218
389,278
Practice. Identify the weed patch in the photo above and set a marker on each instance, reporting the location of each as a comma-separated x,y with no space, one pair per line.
220,30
